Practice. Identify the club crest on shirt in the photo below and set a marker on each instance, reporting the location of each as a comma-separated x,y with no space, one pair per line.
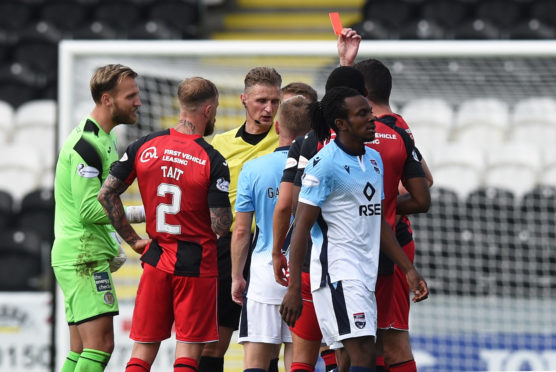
87,171
359,320
222,185
308,180
375,166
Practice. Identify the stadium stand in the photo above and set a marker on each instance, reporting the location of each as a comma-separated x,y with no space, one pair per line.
20,169
431,120
21,261
6,121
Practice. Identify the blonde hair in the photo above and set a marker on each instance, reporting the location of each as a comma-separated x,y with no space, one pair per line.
107,78
293,116
264,76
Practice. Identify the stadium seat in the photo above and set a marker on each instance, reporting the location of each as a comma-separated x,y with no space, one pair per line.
547,173
430,120
94,30
37,213
392,13
422,29
538,217
66,15
20,169
6,121
476,29
35,124
119,15
15,91
482,122
533,120
181,15
531,29
504,14
514,166
446,14
22,261
6,210
457,167
14,15
153,29
26,52
545,11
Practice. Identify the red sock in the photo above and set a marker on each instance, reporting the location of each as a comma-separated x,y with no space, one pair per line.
408,366
185,365
302,367
381,364
137,365
329,357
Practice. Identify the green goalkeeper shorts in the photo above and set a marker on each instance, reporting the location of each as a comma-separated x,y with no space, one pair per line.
88,291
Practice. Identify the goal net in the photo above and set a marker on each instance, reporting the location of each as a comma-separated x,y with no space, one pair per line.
486,247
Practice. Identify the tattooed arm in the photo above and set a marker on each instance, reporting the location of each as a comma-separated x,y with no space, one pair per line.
109,198
221,220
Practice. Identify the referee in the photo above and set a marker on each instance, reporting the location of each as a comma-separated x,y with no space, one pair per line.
257,136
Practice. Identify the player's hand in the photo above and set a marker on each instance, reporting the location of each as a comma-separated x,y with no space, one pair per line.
348,46
291,306
417,285
280,265
238,287
140,245
118,261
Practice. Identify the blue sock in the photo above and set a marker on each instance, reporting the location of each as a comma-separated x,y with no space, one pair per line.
360,369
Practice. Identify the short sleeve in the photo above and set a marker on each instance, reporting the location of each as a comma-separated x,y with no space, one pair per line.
244,198
316,183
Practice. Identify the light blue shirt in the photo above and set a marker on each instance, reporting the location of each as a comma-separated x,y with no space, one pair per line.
346,237
257,191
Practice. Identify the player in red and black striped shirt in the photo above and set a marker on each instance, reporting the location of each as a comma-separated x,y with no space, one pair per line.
184,186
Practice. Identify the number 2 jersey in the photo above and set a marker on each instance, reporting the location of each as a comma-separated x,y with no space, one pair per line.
180,177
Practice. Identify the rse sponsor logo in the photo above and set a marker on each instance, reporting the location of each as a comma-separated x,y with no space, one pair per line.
369,191
308,180
370,210
87,171
148,154
102,281
222,185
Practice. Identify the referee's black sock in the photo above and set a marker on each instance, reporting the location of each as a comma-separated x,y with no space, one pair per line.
211,364
273,366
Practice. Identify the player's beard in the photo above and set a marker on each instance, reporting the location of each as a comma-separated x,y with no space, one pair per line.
121,117
209,128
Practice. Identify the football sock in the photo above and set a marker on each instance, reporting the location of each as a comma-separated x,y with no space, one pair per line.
92,360
211,364
71,362
273,366
381,364
302,367
185,365
137,365
329,357
407,366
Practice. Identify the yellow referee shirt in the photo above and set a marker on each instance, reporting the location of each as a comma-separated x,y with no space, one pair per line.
237,152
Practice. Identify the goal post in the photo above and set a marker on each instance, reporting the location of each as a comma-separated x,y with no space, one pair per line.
492,280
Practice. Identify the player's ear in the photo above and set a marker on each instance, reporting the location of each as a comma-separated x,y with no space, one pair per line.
106,99
243,97
277,127
340,124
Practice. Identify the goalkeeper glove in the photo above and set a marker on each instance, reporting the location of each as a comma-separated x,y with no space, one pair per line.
116,262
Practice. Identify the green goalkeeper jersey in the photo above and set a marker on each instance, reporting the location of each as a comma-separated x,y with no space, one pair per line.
82,230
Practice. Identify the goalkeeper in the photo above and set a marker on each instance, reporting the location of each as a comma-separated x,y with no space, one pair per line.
85,248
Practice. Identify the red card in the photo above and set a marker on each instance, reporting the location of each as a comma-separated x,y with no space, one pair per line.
336,23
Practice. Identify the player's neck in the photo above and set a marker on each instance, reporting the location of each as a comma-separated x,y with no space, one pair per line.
380,109
103,119
187,126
